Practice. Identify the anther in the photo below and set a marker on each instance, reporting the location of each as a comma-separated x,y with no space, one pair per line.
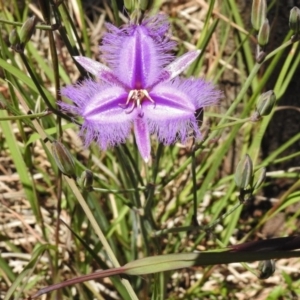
137,97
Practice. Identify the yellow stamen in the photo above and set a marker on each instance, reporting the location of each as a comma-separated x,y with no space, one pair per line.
137,97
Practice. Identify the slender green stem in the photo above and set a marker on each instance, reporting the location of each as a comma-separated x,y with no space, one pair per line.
197,228
195,203
20,24
241,121
211,114
21,117
280,48
108,191
177,230
228,213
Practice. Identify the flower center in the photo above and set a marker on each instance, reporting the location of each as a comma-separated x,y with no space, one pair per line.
136,97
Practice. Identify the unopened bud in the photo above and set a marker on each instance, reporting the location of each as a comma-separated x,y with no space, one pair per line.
259,178
266,268
27,30
64,159
259,13
14,38
263,34
265,103
294,20
85,181
244,172
129,5
145,4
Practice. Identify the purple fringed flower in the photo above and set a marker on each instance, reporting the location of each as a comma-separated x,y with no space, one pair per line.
139,87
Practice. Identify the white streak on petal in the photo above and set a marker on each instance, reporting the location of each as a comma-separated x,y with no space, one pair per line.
181,63
99,70
92,66
169,98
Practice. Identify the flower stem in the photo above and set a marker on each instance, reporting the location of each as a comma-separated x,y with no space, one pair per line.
197,228
231,123
88,212
21,117
193,166
20,24
133,190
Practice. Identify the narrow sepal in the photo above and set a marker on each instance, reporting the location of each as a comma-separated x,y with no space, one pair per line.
180,64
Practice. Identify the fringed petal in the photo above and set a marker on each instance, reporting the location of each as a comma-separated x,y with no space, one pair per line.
81,93
105,104
137,53
169,121
168,97
171,130
99,105
200,92
108,134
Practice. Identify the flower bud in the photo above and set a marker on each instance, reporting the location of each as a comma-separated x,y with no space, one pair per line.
263,34
259,13
294,20
145,4
244,172
85,181
14,38
266,268
259,178
129,5
265,103
27,30
63,158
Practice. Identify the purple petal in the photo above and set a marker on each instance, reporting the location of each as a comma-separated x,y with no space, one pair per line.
159,26
136,53
105,104
171,100
105,134
172,117
98,104
80,94
170,124
142,137
201,93
169,131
